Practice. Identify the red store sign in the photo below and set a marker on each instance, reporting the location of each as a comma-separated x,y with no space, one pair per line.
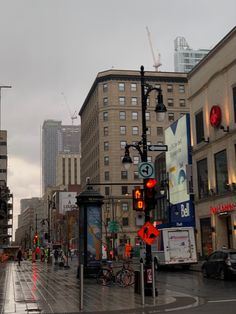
222,208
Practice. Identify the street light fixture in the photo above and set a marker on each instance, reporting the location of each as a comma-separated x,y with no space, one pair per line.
141,146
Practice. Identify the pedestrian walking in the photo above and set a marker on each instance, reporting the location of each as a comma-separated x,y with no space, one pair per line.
19,256
56,254
42,255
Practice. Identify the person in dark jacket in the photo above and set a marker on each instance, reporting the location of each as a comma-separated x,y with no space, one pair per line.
19,256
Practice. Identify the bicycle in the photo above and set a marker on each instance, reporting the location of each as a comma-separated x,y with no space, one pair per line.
106,275
125,276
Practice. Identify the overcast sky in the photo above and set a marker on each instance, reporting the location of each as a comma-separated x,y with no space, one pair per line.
50,47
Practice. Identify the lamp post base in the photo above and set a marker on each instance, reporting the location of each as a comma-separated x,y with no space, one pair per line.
148,281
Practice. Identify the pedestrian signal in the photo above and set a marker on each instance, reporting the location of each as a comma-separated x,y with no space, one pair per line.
138,199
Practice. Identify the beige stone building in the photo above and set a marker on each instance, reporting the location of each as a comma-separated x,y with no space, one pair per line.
111,118
212,98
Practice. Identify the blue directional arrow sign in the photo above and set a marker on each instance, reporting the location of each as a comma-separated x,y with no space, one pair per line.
146,170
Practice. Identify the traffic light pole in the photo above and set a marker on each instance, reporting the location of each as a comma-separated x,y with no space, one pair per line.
144,96
142,148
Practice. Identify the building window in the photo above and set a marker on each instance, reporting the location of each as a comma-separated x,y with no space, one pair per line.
199,127
136,160
234,102
148,101
122,115
148,130
106,175
3,156
202,177
149,158
134,101
122,130
159,131
136,175
105,116
3,170
124,189
124,175
105,87
135,130
158,86
124,207
133,87
122,101
63,171
106,160
170,102
122,144
75,171
169,88
182,103
147,115
107,190
121,87
125,221
69,170
106,146
171,116
221,171
181,88
105,131
105,101
134,116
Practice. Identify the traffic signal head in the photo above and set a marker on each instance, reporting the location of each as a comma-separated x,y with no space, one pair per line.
150,193
138,199
150,183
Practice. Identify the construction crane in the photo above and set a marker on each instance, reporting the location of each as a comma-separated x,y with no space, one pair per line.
72,116
156,61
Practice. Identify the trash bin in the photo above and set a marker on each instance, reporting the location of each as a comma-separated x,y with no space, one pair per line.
137,287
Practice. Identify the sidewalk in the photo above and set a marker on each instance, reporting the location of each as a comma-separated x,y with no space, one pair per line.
41,288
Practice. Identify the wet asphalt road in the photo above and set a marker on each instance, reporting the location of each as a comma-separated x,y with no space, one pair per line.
40,288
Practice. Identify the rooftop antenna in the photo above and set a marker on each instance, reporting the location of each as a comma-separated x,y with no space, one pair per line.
72,116
156,60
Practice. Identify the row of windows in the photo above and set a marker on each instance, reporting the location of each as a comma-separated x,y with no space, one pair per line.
133,87
134,101
122,116
123,144
221,175
135,130
124,173
136,159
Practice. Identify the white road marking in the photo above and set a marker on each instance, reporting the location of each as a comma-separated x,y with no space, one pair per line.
221,301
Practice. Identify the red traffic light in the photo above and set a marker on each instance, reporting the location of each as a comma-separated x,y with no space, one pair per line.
150,183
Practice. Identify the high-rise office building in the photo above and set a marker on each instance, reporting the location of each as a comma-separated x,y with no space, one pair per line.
185,58
111,117
56,138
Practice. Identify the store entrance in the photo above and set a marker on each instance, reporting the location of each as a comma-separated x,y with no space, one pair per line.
229,232
206,236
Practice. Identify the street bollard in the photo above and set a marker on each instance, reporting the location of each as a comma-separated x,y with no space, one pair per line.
142,281
153,281
81,286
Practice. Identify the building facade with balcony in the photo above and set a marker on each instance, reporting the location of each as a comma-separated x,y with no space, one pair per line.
111,117
212,99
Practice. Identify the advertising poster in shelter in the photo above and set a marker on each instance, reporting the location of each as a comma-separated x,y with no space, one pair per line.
94,233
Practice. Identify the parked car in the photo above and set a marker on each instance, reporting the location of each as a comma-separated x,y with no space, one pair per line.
220,264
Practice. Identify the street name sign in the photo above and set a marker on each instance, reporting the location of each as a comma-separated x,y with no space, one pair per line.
158,148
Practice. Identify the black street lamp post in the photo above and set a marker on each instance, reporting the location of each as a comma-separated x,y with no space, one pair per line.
141,146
